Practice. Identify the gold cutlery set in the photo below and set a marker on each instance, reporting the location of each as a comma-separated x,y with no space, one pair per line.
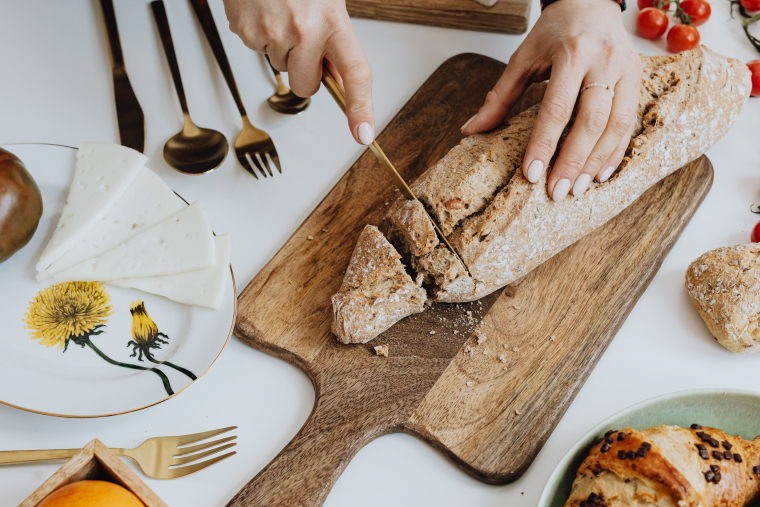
195,150
155,456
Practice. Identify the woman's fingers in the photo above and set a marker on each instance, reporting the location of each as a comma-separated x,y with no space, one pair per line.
607,152
500,100
590,121
347,56
556,110
305,70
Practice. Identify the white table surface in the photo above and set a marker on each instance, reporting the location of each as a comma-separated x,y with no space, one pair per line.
55,87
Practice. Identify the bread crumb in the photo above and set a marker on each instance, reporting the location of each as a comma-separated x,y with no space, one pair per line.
517,412
506,345
324,230
485,351
456,331
469,350
503,358
553,338
481,338
516,307
515,349
505,368
387,203
432,332
381,350
469,384
310,238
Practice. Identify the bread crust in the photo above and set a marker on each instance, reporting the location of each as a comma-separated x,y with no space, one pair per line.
687,102
724,286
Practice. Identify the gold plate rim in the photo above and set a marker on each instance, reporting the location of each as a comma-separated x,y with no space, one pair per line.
227,341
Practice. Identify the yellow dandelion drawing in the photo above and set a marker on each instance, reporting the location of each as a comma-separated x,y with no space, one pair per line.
146,337
67,310
144,330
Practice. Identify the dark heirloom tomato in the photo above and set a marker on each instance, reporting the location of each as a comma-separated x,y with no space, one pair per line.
20,205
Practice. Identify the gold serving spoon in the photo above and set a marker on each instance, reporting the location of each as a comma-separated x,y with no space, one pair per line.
194,150
284,100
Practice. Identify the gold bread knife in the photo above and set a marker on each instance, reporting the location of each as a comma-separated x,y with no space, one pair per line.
129,114
337,93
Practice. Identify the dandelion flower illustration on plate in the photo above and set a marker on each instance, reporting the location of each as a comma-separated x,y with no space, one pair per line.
146,336
67,310
74,312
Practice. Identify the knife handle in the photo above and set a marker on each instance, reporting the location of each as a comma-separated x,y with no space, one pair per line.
162,22
206,19
112,34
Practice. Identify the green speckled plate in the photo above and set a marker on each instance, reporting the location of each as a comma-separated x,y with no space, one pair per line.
735,412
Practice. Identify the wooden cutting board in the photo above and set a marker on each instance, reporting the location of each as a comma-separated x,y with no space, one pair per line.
490,417
507,16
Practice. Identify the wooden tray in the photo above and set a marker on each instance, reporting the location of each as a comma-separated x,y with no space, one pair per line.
95,462
507,16
493,427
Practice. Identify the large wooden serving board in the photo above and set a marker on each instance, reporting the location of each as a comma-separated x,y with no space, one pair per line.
491,418
507,16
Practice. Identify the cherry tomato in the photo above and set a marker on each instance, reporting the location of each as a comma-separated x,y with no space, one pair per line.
682,38
643,4
755,236
699,10
751,5
652,23
754,67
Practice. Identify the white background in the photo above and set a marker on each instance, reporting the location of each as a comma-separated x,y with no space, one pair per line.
55,87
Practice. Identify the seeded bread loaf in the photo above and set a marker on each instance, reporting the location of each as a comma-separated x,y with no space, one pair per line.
724,285
668,466
503,226
376,291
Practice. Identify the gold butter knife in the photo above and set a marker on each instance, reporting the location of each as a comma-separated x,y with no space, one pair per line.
337,93
129,114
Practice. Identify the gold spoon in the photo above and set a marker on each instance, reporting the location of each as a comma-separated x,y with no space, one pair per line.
284,100
194,150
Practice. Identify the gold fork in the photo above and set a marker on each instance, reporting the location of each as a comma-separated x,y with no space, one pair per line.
253,147
154,456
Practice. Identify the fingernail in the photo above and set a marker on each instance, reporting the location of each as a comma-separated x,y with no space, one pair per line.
581,184
561,189
534,171
606,174
366,133
468,122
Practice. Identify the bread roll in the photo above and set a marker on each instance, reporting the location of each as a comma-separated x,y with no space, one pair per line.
724,286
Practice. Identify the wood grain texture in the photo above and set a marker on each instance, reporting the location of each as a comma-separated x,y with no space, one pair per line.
581,297
95,462
507,16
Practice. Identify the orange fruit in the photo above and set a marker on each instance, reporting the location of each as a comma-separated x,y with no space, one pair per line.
91,494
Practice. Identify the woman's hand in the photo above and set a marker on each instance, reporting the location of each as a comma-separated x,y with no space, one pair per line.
298,35
574,43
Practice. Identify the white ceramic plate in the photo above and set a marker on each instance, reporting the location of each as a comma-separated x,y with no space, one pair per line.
733,411
80,382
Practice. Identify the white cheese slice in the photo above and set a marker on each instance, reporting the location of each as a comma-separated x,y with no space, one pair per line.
147,201
101,175
202,287
182,242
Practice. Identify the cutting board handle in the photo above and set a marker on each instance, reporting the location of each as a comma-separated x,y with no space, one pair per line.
306,469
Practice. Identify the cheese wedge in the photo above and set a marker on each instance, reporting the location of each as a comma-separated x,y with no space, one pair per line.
147,201
182,242
203,287
101,175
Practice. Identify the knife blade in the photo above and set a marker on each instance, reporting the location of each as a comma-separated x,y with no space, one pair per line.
337,93
129,114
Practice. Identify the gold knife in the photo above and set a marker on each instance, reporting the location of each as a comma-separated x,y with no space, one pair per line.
337,93
129,114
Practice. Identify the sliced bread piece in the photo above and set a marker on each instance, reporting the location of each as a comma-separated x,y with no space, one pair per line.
376,291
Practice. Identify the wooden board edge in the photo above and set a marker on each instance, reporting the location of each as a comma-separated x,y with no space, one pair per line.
503,24
500,478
